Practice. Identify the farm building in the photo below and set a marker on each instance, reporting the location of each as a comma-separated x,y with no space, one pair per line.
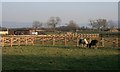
25,31
113,30
18,31
37,31
3,31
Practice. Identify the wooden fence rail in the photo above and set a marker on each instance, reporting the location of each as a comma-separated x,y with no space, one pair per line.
10,41
54,40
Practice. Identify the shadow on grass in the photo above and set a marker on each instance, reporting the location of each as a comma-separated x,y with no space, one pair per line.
34,62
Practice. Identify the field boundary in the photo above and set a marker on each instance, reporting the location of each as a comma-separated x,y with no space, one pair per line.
56,40
43,39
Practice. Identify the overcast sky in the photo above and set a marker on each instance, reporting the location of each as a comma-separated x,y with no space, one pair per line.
81,12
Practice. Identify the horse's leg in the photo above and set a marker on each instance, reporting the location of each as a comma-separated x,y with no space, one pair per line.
89,45
82,45
85,45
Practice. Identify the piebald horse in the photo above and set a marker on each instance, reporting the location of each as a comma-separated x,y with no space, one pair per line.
83,42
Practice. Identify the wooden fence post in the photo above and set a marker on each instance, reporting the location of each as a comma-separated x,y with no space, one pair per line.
43,41
33,40
53,40
26,40
65,41
11,42
3,40
19,41
77,41
117,42
102,42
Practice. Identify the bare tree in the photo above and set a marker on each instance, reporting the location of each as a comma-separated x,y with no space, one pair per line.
53,22
72,25
37,24
99,24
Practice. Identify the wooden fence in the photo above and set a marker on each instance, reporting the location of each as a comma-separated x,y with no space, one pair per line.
10,41
54,40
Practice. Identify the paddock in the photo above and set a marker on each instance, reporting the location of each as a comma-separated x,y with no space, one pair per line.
58,52
59,58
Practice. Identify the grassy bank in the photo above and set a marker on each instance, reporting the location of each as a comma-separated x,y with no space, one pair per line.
59,58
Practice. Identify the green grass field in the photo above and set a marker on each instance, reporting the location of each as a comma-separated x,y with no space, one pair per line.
59,58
